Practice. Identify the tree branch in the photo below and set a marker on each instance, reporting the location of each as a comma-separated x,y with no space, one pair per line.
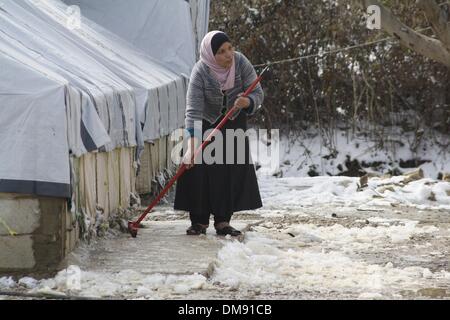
426,46
438,18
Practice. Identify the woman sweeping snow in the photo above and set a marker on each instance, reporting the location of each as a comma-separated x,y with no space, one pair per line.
222,187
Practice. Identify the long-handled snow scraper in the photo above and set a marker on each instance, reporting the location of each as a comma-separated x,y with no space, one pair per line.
133,226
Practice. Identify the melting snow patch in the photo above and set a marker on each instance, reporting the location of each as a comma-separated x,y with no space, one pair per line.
7,282
269,264
127,283
28,282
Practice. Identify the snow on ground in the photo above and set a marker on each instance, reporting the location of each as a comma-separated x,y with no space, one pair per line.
293,158
324,258
299,155
276,265
7,283
295,192
124,284
307,258
366,258
299,250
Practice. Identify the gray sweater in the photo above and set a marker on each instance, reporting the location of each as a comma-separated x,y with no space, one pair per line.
205,98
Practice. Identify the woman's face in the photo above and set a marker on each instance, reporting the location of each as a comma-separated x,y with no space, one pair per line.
224,56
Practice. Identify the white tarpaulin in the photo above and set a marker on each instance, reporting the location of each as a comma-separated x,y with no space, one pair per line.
147,76
70,91
33,144
164,29
200,20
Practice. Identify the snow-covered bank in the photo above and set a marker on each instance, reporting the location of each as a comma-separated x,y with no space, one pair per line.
305,154
296,192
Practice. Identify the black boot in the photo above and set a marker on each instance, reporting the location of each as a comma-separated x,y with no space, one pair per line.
196,229
224,228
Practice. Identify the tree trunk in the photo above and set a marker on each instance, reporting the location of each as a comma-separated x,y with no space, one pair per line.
422,44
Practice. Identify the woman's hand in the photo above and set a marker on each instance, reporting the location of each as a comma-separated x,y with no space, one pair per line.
188,158
242,102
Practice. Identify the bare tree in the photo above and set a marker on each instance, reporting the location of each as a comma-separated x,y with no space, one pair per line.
373,84
438,16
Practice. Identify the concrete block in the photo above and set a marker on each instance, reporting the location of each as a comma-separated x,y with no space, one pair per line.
21,214
16,253
52,210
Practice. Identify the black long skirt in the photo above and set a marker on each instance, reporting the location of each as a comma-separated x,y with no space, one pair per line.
220,188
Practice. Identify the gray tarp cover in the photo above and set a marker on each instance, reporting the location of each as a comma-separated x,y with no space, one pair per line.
65,92
158,27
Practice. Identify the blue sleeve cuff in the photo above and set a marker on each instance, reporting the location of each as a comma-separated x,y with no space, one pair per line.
191,132
251,107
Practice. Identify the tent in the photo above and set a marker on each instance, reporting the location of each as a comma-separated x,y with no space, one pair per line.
65,92
168,30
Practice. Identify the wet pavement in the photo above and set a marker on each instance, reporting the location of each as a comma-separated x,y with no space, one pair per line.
160,247
403,250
